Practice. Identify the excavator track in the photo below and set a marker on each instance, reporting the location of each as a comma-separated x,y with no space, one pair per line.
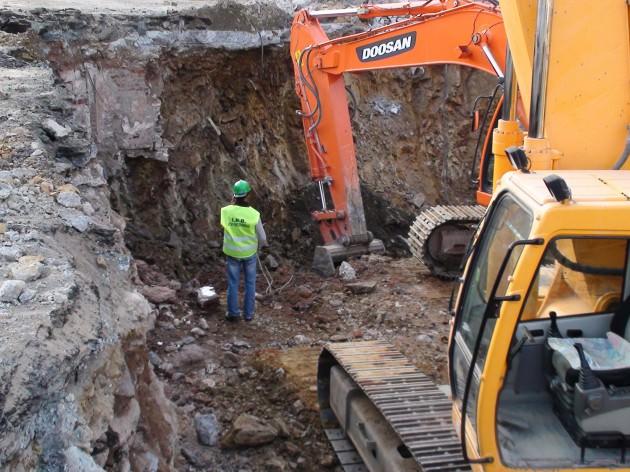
439,235
416,409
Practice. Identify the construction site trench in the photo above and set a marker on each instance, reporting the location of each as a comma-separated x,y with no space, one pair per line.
121,132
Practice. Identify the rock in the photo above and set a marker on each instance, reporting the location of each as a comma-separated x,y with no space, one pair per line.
338,338
357,333
271,262
187,340
77,221
283,429
335,302
5,190
10,253
146,462
198,332
424,338
87,208
231,360
347,272
154,359
195,459
27,295
80,461
92,176
239,344
360,288
208,429
276,464
249,431
190,354
159,294
419,199
54,129
298,406
27,268
304,291
328,461
47,187
206,295
69,199
209,383
301,339
10,290
203,324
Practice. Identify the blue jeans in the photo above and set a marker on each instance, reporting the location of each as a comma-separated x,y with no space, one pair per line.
234,268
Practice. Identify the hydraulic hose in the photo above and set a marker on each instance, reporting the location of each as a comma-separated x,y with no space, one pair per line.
624,154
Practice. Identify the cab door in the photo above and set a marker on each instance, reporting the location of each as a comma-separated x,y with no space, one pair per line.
508,222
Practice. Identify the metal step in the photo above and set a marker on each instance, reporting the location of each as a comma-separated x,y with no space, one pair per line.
417,410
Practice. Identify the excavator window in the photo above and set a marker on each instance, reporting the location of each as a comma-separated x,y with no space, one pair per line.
578,276
508,221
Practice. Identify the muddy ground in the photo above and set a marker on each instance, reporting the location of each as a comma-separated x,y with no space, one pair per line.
273,375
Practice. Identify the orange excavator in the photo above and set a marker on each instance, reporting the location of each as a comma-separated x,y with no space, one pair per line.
460,32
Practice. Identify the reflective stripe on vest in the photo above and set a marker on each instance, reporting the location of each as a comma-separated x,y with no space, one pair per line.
239,224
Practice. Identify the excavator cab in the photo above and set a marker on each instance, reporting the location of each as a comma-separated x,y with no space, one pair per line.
539,357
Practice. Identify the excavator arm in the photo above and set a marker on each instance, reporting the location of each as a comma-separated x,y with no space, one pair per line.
434,32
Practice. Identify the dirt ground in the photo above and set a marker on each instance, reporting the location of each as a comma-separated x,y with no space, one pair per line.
274,377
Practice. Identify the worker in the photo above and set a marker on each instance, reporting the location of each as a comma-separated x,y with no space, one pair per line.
243,236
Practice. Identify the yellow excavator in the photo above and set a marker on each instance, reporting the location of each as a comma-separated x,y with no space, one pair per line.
539,351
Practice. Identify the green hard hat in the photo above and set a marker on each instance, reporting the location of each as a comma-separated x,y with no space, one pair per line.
241,188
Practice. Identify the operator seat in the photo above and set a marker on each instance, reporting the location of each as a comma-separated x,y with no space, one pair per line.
589,379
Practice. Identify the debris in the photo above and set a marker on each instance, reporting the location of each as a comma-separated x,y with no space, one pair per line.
249,431
203,324
207,428
347,272
69,199
206,295
301,339
360,288
10,290
159,294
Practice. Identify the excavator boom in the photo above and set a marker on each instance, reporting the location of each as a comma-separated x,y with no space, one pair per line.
433,32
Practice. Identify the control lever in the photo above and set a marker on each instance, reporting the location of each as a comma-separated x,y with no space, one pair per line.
587,380
527,337
553,331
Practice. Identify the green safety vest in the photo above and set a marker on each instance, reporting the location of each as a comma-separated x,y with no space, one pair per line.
239,237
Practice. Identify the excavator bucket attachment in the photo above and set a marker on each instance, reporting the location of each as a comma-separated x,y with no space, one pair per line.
327,256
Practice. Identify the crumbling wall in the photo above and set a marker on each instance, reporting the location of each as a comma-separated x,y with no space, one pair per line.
77,392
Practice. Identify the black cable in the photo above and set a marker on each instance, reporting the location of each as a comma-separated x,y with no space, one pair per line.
306,83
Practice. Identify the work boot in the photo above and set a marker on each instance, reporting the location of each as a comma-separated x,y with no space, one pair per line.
231,318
